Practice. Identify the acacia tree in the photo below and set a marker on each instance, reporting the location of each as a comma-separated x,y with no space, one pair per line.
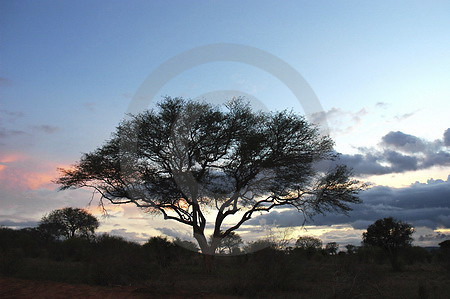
186,158
391,235
68,223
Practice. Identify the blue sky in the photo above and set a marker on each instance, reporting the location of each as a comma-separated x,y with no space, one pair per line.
69,71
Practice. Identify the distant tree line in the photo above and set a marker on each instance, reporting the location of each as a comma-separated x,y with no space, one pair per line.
78,255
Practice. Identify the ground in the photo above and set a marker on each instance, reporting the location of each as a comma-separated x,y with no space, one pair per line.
21,288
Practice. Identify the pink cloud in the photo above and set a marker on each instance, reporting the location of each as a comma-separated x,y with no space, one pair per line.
21,172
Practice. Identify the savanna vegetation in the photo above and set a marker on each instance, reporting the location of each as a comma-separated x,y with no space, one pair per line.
160,266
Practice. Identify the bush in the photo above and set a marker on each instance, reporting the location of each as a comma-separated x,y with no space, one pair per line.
416,254
11,261
117,262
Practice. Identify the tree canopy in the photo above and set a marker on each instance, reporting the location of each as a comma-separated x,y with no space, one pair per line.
388,233
308,242
391,235
68,223
229,244
186,158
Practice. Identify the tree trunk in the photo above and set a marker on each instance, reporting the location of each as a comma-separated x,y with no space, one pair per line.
208,263
208,251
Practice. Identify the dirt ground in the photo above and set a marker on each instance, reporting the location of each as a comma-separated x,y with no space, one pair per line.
20,288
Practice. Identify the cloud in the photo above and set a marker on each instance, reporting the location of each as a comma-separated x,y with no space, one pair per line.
21,172
405,115
174,233
18,224
405,142
433,237
398,152
12,115
421,204
381,105
447,137
5,133
338,119
130,236
46,129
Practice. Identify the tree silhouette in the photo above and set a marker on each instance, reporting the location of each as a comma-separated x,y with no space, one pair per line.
391,235
309,243
187,158
68,223
229,244
351,249
331,248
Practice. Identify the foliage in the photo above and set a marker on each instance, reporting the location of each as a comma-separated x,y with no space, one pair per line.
259,245
331,248
308,242
187,157
68,223
186,244
391,235
351,249
229,244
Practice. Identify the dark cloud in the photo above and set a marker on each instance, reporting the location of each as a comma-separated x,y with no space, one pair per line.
18,224
364,163
421,204
433,237
405,142
401,162
447,137
399,152
5,133
46,129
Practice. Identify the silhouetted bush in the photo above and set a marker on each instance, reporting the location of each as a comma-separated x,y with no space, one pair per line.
371,254
416,254
116,261
11,260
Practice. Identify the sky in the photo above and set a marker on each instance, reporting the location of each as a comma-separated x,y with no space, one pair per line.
380,71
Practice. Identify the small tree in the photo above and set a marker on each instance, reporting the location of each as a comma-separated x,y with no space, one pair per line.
259,245
186,244
188,158
309,243
331,248
68,223
351,249
390,235
230,244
